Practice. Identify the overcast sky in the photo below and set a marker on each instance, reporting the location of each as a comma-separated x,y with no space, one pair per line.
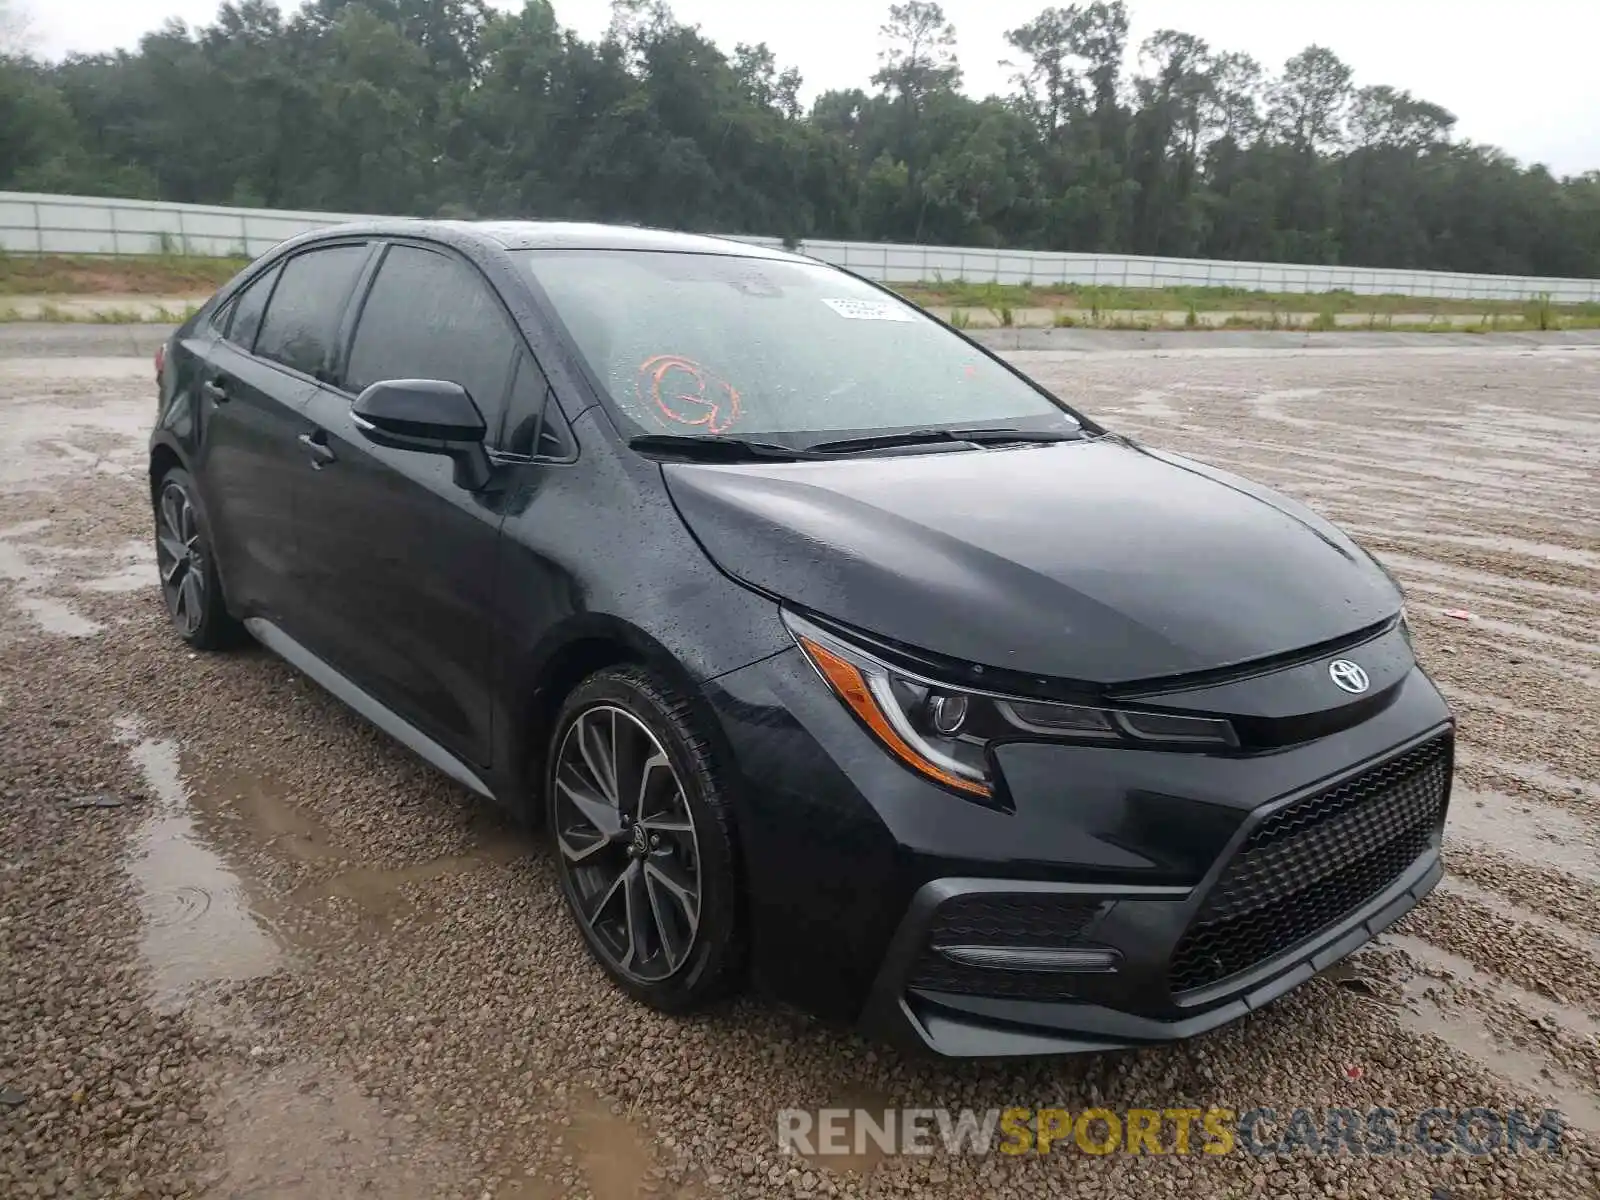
1524,79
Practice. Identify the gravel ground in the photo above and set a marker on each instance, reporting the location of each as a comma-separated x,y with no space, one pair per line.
248,947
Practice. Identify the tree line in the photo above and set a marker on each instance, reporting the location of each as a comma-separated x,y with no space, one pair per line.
449,107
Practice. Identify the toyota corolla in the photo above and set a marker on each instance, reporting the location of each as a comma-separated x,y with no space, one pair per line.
835,655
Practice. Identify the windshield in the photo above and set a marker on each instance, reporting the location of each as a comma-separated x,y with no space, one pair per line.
709,345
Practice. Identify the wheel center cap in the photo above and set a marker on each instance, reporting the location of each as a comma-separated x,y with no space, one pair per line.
639,844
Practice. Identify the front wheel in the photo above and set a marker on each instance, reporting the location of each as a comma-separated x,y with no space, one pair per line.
644,839
189,581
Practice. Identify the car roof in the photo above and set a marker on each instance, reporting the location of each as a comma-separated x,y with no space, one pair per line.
563,235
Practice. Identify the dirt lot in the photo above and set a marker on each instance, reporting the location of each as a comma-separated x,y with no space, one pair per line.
248,947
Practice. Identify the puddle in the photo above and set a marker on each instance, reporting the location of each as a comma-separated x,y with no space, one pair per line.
614,1152
31,568
53,616
527,1184
289,1128
1462,1028
132,569
261,804
46,430
198,927
1433,961
380,890
263,808
303,1132
1540,834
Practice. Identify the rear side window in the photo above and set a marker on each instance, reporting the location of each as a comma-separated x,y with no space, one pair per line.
302,322
430,316
248,305
223,317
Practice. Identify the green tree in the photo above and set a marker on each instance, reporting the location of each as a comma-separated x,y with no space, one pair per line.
464,108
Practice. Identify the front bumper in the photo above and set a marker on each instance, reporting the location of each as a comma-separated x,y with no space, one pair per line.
860,873
964,1025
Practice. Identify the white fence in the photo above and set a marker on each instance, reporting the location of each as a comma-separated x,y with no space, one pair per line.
32,223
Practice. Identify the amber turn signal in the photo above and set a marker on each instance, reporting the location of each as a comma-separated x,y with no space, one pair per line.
851,686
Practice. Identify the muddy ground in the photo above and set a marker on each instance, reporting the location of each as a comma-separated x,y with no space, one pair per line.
250,948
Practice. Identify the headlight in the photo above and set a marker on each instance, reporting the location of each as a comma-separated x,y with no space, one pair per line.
945,732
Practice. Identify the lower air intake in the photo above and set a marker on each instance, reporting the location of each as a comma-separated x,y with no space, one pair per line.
1309,864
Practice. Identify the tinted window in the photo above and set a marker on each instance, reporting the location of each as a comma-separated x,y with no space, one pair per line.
302,322
223,315
714,344
524,408
555,435
245,319
430,316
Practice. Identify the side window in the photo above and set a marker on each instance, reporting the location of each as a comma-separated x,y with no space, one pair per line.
246,308
302,322
430,316
555,435
221,318
519,434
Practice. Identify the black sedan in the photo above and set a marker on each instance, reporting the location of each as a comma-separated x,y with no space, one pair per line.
833,653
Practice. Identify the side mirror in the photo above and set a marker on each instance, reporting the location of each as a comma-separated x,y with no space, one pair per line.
428,416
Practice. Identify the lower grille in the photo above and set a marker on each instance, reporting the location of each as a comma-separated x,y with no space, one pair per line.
1313,862
1002,919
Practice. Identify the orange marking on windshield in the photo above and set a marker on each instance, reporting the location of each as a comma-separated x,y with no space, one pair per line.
685,393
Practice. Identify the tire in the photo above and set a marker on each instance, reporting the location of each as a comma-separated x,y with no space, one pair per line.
188,568
625,867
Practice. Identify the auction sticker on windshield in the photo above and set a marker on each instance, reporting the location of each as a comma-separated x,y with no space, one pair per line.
869,310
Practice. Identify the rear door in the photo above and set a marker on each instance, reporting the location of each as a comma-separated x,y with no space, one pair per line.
249,411
401,558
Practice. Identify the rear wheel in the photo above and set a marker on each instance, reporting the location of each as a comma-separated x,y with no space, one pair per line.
189,582
644,840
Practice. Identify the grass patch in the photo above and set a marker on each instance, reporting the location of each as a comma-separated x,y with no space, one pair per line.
133,275
1100,307
1197,300
1540,312
54,314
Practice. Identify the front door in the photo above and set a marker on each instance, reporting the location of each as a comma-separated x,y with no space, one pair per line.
401,558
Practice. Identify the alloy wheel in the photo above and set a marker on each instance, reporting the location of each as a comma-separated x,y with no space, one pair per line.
628,845
180,555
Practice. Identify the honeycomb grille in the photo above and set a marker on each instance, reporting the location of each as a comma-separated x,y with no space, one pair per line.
1313,862
1011,919
1002,919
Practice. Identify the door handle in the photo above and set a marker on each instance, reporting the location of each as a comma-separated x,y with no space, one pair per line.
215,390
321,453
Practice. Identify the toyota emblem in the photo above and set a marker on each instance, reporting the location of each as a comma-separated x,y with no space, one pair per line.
1348,675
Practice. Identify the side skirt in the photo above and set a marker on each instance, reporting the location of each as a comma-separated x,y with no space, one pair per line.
385,718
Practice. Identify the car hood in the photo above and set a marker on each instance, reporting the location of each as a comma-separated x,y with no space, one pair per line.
1097,561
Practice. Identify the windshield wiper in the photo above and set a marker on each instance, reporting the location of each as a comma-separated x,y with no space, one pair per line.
919,437
707,447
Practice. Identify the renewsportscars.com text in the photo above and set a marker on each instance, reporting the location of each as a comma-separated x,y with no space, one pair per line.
1214,1131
